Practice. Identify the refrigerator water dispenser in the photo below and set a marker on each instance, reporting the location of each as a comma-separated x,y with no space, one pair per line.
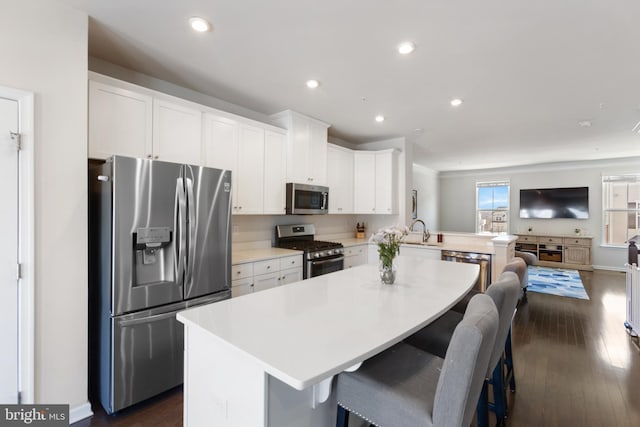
153,259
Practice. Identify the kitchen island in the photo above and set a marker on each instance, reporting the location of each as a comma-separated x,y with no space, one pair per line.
267,359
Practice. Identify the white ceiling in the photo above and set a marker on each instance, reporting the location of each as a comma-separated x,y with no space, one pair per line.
528,71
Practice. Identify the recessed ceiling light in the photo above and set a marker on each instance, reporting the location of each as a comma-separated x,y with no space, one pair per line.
406,48
312,84
456,102
584,123
380,118
200,25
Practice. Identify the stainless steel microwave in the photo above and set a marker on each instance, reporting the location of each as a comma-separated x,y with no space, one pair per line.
304,199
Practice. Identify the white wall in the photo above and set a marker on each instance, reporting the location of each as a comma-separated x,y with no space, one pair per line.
425,181
457,199
43,46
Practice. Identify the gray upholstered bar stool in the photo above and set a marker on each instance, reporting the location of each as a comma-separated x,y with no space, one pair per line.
436,337
405,386
519,266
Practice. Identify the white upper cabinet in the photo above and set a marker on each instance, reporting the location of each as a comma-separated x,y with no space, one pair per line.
220,142
256,158
275,172
120,121
306,147
129,120
340,179
249,194
375,182
386,182
177,131
364,179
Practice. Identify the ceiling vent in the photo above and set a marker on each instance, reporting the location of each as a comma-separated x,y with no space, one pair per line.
636,128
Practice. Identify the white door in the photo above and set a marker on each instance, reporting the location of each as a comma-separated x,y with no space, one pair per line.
9,251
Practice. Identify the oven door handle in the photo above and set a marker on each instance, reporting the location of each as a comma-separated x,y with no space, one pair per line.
324,261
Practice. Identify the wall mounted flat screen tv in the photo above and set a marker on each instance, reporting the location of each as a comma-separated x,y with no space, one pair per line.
549,203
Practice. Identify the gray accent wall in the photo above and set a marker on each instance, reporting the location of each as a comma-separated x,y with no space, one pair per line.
457,200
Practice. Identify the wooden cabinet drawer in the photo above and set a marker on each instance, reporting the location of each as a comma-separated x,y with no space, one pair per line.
577,241
241,271
291,262
551,240
528,239
268,266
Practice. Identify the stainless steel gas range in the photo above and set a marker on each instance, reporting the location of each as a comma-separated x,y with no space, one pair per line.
320,257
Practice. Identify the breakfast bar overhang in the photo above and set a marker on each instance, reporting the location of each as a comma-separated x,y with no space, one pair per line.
267,359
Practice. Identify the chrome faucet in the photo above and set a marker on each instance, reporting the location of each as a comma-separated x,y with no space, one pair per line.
425,232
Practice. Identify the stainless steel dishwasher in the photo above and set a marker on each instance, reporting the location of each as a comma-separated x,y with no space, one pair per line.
483,260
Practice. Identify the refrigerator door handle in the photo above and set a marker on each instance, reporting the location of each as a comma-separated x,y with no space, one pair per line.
192,231
181,225
149,319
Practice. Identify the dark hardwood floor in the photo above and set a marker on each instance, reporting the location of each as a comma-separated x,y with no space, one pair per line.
575,365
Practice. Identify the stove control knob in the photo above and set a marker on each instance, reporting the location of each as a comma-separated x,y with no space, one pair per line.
317,255
330,252
339,251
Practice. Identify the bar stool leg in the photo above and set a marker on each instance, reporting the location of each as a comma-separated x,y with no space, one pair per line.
499,396
511,377
483,406
343,417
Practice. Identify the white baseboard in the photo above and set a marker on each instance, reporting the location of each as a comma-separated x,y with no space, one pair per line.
80,412
609,268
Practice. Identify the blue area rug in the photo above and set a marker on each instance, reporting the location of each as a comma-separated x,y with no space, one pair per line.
556,281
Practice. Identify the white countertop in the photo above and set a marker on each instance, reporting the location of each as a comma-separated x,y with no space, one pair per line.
351,242
308,331
259,254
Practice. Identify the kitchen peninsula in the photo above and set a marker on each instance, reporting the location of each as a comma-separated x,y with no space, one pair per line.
267,358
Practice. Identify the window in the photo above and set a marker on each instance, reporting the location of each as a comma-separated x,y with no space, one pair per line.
492,207
621,208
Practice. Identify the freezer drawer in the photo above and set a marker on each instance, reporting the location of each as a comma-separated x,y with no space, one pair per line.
147,357
146,354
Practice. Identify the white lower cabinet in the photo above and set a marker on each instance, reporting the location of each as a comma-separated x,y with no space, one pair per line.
421,251
266,281
355,255
260,275
241,287
290,276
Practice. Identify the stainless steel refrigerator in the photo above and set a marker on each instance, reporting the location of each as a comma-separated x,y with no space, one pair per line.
159,242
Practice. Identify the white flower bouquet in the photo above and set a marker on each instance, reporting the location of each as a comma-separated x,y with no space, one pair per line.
388,240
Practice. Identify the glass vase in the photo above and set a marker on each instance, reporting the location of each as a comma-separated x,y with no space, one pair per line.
387,273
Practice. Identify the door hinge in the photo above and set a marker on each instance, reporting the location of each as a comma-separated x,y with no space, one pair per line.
19,271
19,397
17,138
